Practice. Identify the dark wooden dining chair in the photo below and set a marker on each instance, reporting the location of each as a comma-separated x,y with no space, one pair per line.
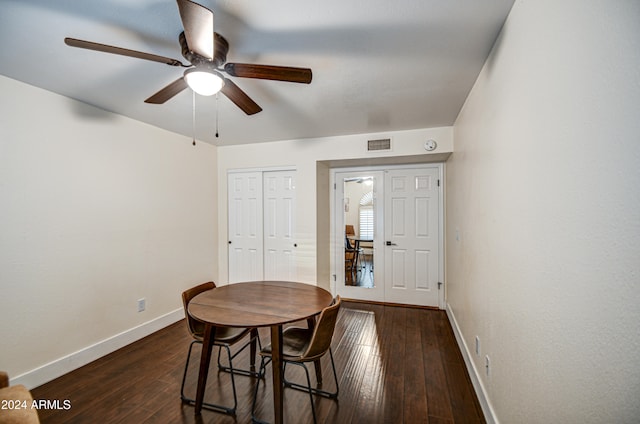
225,337
302,345
353,251
350,261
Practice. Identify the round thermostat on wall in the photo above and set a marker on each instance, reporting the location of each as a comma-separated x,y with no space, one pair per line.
430,145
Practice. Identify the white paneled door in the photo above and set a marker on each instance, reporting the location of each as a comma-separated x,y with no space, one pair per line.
261,226
412,236
279,211
245,227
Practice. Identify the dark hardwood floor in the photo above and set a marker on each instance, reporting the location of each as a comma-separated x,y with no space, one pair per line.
394,364
364,275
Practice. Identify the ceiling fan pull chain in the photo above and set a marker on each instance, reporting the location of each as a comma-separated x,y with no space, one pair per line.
217,111
193,119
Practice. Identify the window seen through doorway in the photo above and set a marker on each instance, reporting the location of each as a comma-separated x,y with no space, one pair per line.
366,216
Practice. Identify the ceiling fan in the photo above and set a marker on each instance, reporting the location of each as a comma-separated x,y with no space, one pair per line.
206,52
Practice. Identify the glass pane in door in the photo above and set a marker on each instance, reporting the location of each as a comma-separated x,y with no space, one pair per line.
359,231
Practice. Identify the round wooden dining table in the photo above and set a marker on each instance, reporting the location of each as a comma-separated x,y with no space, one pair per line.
255,304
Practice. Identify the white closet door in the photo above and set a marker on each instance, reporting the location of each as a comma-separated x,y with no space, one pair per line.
279,213
245,198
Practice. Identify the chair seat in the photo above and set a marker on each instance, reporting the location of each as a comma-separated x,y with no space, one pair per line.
227,335
295,341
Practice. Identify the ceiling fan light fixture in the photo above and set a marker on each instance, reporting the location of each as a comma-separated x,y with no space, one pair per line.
205,82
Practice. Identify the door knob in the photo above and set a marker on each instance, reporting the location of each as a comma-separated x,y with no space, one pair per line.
391,244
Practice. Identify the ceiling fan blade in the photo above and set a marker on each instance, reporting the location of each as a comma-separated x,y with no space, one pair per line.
168,92
240,98
278,73
74,42
197,22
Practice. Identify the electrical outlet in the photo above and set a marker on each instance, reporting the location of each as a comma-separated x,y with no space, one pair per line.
487,365
142,304
477,346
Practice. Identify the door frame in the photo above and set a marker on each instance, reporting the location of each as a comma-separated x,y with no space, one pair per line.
337,233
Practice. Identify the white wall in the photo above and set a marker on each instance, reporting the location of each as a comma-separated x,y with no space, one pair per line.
544,191
312,184
97,211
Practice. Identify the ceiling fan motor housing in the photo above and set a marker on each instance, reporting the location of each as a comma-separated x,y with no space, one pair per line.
220,49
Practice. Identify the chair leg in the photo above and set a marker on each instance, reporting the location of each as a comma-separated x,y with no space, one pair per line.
212,406
312,391
308,389
324,393
300,387
252,343
263,366
184,375
313,406
233,382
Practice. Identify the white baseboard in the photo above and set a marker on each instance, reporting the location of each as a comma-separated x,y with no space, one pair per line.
59,367
483,398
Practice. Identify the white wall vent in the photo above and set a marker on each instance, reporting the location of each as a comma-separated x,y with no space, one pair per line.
380,144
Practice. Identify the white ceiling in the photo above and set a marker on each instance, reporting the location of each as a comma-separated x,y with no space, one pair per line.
378,65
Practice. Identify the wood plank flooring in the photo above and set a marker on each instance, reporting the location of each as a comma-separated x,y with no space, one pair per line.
394,365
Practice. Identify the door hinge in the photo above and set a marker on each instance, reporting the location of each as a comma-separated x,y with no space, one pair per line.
438,183
335,278
335,187
439,285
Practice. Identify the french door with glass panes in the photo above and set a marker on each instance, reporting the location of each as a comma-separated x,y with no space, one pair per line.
404,264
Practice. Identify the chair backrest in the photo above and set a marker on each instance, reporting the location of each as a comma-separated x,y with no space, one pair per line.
347,244
323,331
196,328
349,230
